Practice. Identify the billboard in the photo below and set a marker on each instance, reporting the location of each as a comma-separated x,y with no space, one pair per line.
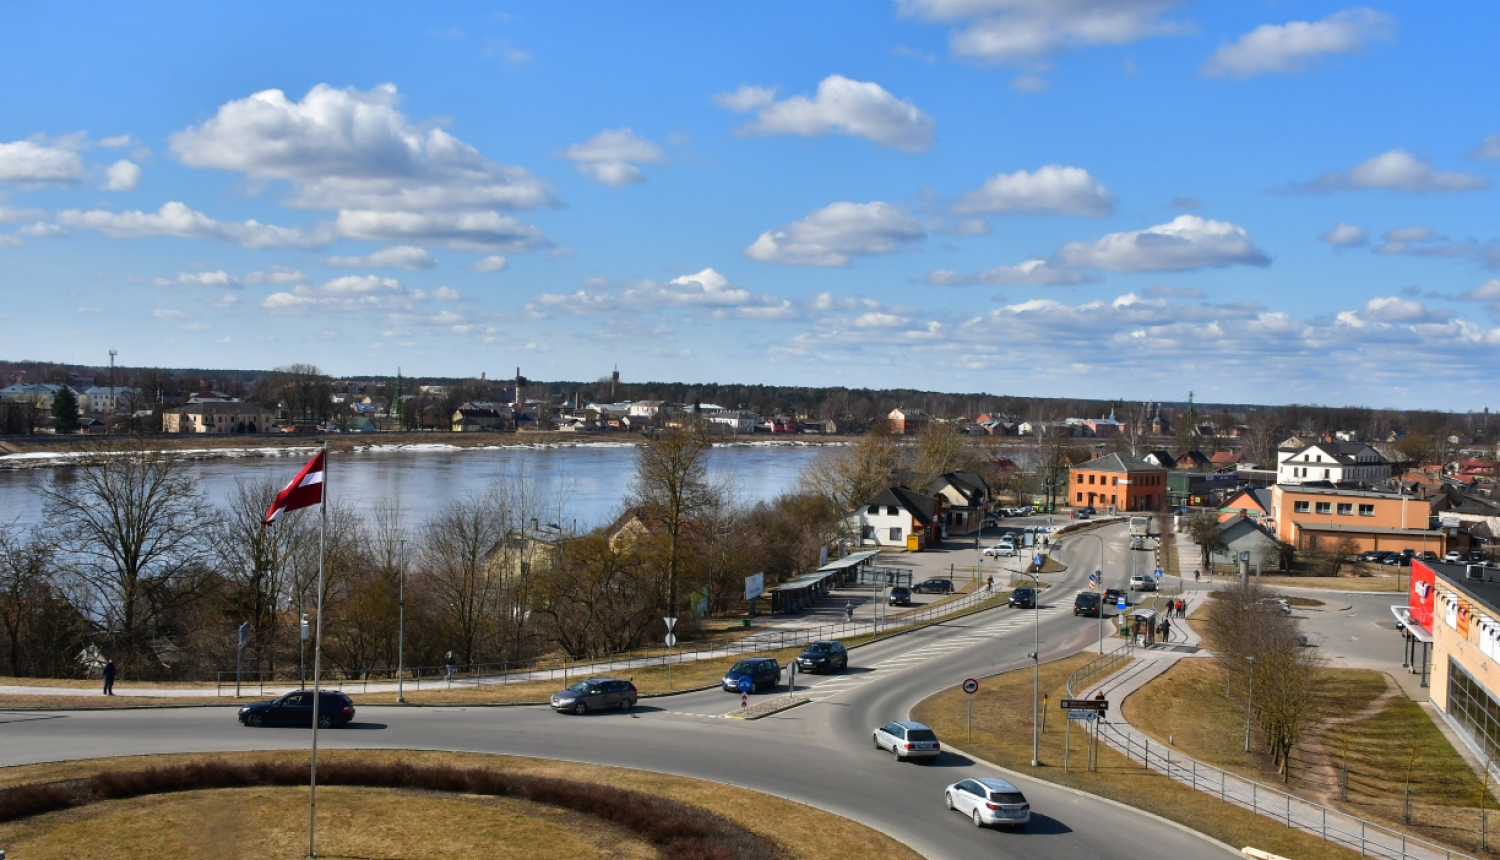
755,586
1421,594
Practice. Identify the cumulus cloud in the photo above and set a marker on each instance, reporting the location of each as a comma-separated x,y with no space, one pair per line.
396,256
1030,32
476,231
123,175
1419,241
9,241
492,263
707,291
1187,242
1343,235
611,156
745,99
843,106
35,162
220,279
1489,148
276,275
835,234
1392,310
1396,170
1297,45
357,293
1034,272
1489,291
119,141
1051,190
177,219
41,230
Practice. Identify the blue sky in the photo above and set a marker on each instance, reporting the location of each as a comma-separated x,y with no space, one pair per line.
1258,201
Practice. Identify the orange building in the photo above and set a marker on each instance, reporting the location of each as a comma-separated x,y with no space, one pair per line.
908,422
1118,481
1312,518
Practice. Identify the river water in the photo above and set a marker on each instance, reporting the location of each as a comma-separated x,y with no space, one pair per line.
589,481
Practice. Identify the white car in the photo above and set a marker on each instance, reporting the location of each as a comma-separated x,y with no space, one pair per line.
908,740
1454,556
1004,549
1142,583
989,801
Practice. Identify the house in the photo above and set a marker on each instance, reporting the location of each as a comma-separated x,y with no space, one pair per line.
472,420
1162,459
1222,460
1240,534
1192,460
966,498
1104,428
899,517
778,424
735,421
1199,489
1252,502
107,400
210,396
1321,517
218,418
649,409
359,424
907,422
1118,481
39,393
1337,462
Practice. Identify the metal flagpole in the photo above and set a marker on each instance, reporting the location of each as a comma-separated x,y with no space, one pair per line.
312,795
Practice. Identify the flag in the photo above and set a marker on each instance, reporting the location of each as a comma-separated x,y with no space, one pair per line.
1093,581
305,490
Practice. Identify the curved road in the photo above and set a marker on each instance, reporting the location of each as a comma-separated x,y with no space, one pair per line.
819,753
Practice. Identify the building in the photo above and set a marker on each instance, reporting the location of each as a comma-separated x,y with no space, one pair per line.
734,421
1311,517
899,517
1252,502
1338,462
1118,481
1199,489
1453,615
907,422
218,418
474,420
108,400
966,498
1240,534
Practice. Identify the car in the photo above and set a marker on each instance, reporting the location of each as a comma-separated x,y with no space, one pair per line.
1137,542
989,801
295,709
1024,511
595,694
1023,597
1428,555
1395,558
825,655
1141,582
1087,603
1275,604
899,596
1372,556
1083,513
1003,549
762,672
1453,556
1112,597
906,740
934,586
1477,555
1409,552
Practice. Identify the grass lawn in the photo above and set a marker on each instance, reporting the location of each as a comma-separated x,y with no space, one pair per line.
1002,734
1187,706
359,822
1335,583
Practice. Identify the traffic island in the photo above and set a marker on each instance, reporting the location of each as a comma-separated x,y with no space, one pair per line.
767,707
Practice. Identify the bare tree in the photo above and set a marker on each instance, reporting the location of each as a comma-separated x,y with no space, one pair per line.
600,598
671,488
941,448
457,544
256,563
848,477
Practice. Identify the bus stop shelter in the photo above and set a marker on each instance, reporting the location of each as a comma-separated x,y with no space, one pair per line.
1141,624
799,591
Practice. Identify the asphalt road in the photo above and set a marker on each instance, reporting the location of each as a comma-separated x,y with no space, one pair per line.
820,753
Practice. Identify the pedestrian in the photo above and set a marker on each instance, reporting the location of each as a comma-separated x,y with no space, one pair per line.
1166,630
989,584
849,610
1181,608
448,663
109,677
1196,574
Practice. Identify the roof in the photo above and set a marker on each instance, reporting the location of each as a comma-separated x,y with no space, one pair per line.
1240,523
924,508
1343,453
1368,530
1226,458
1118,463
219,407
1485,592
1165,459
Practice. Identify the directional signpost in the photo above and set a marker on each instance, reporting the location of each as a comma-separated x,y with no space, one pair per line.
971,687
745,685
1088,710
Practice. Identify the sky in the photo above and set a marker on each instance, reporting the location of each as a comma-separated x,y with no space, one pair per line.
1258,202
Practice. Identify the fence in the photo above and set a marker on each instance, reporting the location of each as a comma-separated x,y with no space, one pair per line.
521,671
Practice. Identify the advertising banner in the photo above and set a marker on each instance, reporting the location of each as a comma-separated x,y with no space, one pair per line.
755,586
1421,594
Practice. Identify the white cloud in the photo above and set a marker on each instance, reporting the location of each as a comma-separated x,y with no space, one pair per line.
845,106
1489,291
41,230
1051,190
348,149
396,256
1174,293
277,275
1034,272
1488,148
611,155
1187,242
835,234
476,231
9,241
445,294
119,141
123,175
1396,170
168,314
707,290
176,219
1344,235
492,263
219,279
745,99
1029,84
1391,310
228,300
1029,32
1419,241
195,326
353,293
33,161
1297,45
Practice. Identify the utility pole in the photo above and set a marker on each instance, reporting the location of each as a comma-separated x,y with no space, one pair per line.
401,626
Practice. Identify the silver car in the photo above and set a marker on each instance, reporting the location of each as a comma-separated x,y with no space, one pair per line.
989,801
908,740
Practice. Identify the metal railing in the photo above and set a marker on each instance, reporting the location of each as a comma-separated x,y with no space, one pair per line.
1102,665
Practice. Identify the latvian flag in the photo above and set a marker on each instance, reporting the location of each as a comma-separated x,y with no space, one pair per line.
304,491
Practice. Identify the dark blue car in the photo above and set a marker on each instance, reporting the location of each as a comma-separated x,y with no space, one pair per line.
763,672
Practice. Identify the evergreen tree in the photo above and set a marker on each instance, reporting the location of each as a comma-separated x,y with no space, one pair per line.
65,411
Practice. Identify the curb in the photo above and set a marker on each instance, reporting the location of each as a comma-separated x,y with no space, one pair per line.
751,714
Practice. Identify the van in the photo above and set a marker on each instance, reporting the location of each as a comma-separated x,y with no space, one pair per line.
1087,603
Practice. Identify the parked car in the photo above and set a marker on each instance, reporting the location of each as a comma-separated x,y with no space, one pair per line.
295,709
595,694
1003,549
908,740
899,596
934,586
989,801
1087,603
1372,556
1394,558
823,656
1428,555
1454,556
1083,513
1023,597
1141,582
762,672
1477,555
1275,604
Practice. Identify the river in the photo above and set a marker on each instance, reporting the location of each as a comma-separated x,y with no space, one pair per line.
589,480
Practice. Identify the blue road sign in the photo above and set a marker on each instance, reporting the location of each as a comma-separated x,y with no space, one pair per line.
745,685
1120,604
1093,581
1036,560
1156,573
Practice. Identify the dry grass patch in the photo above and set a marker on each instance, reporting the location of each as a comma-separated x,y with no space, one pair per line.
1002,734
1378,582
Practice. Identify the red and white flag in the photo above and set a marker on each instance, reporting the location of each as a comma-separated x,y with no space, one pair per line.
304,491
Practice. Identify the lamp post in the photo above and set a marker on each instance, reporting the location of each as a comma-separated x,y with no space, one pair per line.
1249,694
1036,668
401,626
1099,575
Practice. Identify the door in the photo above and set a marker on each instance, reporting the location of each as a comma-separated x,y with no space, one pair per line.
296,710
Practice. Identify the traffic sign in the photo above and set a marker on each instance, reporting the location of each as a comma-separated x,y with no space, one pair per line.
745,685
1082,715
1036,560
671,622
1156,573
971,686
1093,582
1084,704
1120,603
671,639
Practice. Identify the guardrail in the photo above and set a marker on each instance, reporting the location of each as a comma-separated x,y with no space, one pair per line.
1102,665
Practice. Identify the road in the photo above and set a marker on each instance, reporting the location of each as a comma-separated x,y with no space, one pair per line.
819,753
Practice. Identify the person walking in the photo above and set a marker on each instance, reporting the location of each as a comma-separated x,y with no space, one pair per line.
109,677
1166,630
1197,574
448,664
989,584
848,611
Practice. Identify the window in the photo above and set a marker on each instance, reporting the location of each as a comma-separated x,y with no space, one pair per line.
1325,473
1346,509
1324,507
1299,507
1112,498
1080,478
1080,497
874,510
1091,479
1114,482
896,535
1474,709
867,533
1367,510
891,511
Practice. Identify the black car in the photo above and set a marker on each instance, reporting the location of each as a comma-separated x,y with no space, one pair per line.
1112,596
900,596
823,656
1373,556
934,586
1023,597
1087,603
762,672
595,694
296,709
1397,559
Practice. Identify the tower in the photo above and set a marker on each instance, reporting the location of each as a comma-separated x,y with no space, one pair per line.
614,380
112,355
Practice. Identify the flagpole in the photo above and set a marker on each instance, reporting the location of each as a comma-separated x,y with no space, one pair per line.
312,795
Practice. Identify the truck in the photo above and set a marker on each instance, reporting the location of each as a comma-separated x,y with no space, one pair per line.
1140,529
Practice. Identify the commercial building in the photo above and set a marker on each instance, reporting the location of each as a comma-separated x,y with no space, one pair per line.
1311,517
218,418
1299,462
1453,613
1118,481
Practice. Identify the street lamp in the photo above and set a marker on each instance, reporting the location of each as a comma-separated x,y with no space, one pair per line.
1249,694
1036,668
401,626
1099,575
